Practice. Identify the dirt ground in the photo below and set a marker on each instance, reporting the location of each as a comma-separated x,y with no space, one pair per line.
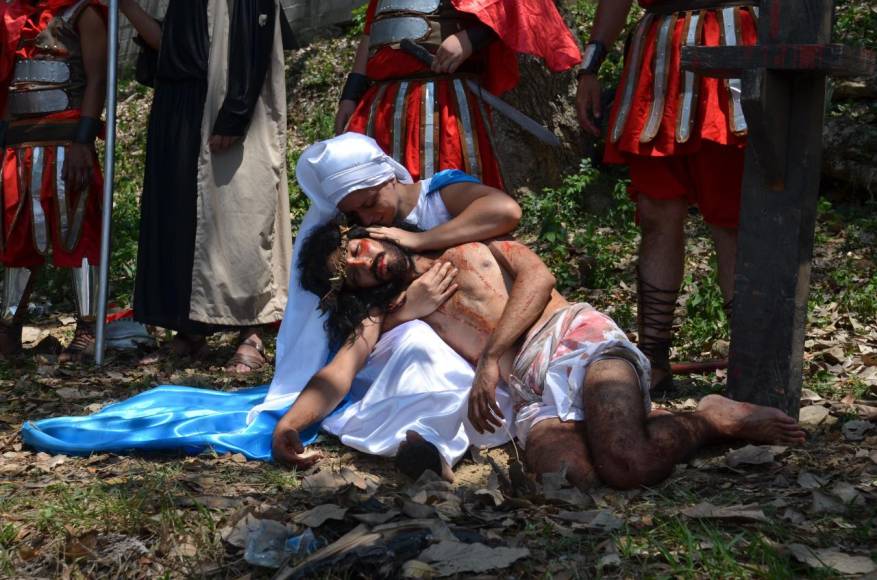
745,511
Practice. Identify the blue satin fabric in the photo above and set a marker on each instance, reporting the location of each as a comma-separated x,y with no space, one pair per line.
176,419
166,419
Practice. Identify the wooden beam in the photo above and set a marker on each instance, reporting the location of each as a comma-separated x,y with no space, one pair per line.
785,112
729,61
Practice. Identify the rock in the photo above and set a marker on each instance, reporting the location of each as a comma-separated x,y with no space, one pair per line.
812,416
855,430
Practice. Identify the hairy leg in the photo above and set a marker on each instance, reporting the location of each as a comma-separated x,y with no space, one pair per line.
630,449
552,444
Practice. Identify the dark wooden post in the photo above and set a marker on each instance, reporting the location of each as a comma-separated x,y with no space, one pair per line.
784,81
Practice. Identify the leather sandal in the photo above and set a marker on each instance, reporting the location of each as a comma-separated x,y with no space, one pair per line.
254,363
81,346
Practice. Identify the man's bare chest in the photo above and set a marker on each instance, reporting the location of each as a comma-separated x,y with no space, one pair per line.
469,317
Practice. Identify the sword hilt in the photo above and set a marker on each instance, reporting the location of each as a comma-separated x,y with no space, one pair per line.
417,51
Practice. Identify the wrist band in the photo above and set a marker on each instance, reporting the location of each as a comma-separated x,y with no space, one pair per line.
355,87
87,130
594,55
480,36
3,126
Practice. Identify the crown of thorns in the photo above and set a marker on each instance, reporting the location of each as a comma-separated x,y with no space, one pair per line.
336,281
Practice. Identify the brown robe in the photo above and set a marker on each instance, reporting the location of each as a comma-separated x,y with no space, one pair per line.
243,244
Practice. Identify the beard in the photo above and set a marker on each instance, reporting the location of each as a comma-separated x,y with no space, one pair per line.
399,263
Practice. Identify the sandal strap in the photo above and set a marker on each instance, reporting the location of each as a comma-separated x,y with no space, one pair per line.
656,307
259,346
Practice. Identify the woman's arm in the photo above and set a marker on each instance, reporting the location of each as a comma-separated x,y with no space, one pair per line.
145,25
480,213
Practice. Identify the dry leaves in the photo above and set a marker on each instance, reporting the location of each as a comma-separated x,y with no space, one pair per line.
833,559
706,510
754,455
456,557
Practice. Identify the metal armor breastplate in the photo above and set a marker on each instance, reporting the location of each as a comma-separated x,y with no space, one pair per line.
426,22
53,78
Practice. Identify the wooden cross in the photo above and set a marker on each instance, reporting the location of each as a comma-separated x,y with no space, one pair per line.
784,82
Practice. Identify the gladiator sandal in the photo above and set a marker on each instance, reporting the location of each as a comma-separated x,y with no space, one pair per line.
656,307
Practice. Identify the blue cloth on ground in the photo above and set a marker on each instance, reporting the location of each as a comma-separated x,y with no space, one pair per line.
177,419
166,419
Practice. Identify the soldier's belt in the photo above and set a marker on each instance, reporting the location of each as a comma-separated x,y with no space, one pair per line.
674,6
40,102
41,71
33,133
395,30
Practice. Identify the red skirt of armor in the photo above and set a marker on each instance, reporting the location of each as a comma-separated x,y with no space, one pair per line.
665,167
19,247
450,148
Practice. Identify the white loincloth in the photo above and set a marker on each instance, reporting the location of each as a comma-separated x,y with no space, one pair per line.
550,369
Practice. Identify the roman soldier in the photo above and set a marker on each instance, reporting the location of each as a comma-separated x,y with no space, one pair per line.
429,118
682,137
52,83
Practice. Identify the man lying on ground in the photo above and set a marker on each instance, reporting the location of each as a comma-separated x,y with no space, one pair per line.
581,388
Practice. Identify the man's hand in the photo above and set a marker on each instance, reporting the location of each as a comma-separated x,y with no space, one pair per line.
484,411
78,166
287,449
453,52
404,238
428,292
220,143
588,103
345,111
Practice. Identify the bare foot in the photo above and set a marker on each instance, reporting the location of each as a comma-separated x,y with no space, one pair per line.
417,455
736,420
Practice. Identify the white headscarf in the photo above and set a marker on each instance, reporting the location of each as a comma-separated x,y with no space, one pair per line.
327,172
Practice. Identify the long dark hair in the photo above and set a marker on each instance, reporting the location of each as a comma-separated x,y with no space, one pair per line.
351,306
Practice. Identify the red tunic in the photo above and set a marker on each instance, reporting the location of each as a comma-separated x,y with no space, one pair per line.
526,26
711,112
44,218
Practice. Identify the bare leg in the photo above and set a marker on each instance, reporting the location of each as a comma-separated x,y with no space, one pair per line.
553,444
630,449
417,455
726,253
661,264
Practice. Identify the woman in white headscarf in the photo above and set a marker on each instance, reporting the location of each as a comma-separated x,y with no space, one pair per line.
413,379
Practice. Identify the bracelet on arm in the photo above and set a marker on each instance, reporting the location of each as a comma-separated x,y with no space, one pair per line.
86,130
593,57
480,36
354,88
